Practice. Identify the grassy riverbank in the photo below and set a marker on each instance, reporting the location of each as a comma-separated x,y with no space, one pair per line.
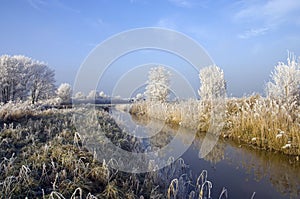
263,123
44,156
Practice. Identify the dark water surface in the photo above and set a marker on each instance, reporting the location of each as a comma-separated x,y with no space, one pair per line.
240,168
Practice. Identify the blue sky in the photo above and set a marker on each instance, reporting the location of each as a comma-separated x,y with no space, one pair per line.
245,38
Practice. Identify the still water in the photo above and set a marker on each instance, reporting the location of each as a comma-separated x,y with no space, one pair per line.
239,168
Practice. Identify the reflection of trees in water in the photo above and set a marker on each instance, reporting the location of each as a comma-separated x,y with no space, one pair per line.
162,138
162,133
275,167
140,119
216,154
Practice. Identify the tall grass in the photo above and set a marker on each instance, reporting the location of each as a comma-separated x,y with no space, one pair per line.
265,123
261,122
190,114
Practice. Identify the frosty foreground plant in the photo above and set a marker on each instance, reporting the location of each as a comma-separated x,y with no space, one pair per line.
158,84
285,81
213,84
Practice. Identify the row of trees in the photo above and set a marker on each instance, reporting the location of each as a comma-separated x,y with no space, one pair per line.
22,78
284,84
212,80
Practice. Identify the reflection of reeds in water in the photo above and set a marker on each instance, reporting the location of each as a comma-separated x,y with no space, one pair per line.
159,133
140,119
216,154
275,167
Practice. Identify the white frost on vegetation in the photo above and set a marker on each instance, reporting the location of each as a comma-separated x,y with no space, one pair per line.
213,85
23,78
158,84
285,80
64,92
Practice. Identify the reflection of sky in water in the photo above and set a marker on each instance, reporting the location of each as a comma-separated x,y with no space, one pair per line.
153,133
126,123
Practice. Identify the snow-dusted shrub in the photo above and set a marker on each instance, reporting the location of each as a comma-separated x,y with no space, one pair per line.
139,97
158,84
93,94
285,81
79,96
102,94
64,92
13,111
213,84
50,102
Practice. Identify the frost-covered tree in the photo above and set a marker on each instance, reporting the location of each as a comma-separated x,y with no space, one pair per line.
41,82
64,92
79,96
158,84
139,97
102,94
285,80
24,64
93,94
13,77
213,84
22,76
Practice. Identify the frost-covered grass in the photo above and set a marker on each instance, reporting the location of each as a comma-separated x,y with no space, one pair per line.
190,114
265,123
42,155
261,122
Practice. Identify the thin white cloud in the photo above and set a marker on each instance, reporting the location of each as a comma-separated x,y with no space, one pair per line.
40,4
253,33
97,23
270,15
271,11
176,23
166,23
36,4
181,3
63,6
190,3
139,1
